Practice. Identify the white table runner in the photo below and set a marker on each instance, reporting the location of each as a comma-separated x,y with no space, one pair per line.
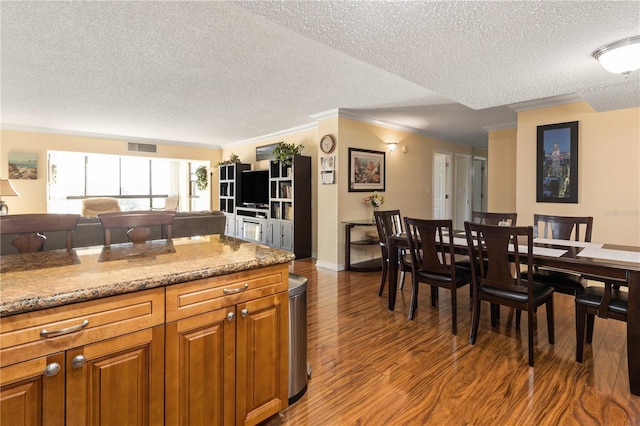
600,253
568,243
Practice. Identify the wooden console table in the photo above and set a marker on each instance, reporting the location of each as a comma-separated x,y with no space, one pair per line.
368,265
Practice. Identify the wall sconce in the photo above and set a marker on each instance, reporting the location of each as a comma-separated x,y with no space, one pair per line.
6,190
391,146
620,57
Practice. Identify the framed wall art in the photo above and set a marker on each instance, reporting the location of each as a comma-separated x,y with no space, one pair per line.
265,152
366,170
557,163
23,165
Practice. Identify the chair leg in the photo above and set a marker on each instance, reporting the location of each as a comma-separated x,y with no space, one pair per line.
494,314
530,326
518,318
590,323
454,311
402,276
434,295
475,320
581,314
383,279
550,324
414,297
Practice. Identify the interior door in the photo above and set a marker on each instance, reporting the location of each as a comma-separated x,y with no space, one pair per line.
479,196
441,185
463,191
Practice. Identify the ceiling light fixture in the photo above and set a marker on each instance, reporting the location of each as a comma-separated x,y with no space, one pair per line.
620,57
392,145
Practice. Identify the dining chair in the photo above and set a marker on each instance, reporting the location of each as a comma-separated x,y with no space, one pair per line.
389,222
576,228
433,261
493,218
170,203
487,218
605,302
30,229
137,222
497,253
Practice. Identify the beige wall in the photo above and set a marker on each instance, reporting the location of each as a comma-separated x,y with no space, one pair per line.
408,178
608,169
501,165
33,193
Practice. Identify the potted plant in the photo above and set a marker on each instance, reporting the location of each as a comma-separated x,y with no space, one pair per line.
285,151
234,158
201,178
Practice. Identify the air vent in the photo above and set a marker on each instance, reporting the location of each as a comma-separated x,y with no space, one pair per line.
141,147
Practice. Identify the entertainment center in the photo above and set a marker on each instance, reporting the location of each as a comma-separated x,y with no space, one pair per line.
271,207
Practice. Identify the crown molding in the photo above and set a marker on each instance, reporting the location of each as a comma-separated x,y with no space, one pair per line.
500,127
301,128
569,98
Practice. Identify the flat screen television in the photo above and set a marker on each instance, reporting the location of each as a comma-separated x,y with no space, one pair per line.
254,188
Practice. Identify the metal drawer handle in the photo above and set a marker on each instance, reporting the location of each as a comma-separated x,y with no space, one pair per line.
52,369
235,290
45,333
244,313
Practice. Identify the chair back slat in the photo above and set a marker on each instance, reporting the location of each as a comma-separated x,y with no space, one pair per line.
492,218
563,227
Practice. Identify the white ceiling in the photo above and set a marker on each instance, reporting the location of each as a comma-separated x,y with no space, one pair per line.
218,73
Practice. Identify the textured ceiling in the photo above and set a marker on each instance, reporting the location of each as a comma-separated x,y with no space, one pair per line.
219,73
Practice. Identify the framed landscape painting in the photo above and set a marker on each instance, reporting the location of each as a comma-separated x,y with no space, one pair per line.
23,165
366,170
557,163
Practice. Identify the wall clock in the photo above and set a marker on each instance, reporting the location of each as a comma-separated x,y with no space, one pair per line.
327,144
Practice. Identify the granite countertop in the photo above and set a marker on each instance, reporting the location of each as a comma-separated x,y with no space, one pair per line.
33,281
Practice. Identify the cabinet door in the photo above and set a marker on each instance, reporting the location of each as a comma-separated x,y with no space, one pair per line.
200,369
286,236
32,392
273,238
119,381
262,358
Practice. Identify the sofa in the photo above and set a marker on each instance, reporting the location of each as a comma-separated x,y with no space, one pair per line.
89,231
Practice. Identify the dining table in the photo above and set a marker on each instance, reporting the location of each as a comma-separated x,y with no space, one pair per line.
611,262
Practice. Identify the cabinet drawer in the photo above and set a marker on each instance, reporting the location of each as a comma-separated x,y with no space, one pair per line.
21,335
200,296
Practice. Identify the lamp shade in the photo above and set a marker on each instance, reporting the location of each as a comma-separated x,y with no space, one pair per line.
620,57
6,189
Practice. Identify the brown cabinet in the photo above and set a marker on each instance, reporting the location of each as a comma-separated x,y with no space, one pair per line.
98,362
227,348
212,351
32,396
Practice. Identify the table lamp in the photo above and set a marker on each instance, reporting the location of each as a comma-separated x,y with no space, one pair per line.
6,190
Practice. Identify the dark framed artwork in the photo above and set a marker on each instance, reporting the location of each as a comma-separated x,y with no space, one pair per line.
366,170
265,152
557,163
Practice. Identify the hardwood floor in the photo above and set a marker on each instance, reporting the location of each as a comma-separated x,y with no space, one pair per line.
372,366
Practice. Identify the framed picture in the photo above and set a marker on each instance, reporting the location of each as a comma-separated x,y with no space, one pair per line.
366,170
23,165
265,152
557,163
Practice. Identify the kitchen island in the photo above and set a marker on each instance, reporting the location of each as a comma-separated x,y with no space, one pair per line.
189,331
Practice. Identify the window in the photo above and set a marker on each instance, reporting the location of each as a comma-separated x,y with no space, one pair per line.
139,183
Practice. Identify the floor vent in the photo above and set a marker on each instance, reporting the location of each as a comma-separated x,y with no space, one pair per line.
141,147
